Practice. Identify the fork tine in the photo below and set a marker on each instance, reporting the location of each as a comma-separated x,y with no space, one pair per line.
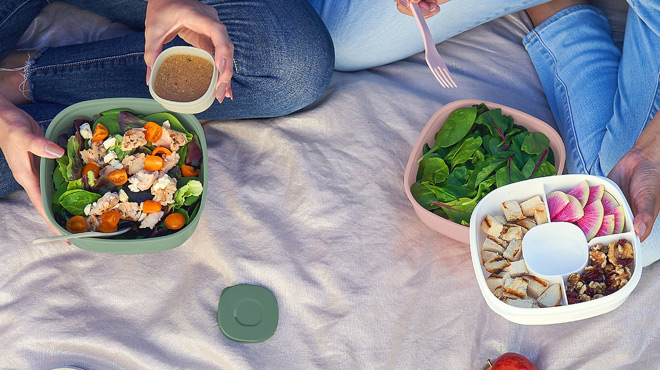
441,78
445,72
447,76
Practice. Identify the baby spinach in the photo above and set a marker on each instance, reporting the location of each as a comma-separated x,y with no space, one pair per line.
476,150
75,200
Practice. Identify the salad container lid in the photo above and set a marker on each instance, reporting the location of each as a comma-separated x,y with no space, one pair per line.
247,313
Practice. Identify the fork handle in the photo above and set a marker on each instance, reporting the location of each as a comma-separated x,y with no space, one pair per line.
426,34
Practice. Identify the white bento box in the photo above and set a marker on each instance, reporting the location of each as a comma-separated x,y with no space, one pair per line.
553,251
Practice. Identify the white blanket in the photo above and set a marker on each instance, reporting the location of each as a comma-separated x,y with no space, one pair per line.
311,206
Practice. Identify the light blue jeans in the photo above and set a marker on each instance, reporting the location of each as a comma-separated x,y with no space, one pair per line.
368,33
601,97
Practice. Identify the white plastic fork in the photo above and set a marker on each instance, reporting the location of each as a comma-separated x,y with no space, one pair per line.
433,58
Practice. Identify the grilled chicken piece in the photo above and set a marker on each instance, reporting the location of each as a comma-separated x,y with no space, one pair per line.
151,220
141,181
134,163
132,139
107,202
94,154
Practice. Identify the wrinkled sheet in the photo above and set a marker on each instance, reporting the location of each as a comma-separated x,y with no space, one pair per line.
311,206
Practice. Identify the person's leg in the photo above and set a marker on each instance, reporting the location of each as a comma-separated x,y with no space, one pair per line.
372,33
602,99
15,17
283,62
577,63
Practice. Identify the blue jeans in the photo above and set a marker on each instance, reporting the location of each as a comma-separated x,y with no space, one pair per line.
601,97
372,33
283,60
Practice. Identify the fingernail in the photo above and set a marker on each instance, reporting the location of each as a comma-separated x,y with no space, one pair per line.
222,65
222,90
641,229
433,8
403,2
54,150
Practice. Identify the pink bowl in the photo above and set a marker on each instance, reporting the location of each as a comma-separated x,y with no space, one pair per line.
448,227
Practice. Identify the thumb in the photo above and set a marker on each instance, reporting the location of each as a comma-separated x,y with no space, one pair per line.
43,147
646,212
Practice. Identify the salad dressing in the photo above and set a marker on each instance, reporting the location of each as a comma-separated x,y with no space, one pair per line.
183,78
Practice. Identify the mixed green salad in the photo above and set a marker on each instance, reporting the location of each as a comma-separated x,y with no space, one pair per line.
125,169
475,151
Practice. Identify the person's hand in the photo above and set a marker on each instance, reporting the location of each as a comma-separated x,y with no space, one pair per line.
638,175
22,143
197,24
429,8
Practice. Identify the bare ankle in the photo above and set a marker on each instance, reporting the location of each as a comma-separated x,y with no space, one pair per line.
538,14
13,77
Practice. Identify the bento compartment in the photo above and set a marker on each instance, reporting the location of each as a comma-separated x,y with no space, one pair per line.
504,221
612,263
594,204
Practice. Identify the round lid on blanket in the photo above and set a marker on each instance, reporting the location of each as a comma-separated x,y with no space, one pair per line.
247,313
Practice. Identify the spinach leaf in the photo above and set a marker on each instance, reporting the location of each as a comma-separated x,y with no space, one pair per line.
464,150
457,125
435,170
110,122
423,195
459,210
535,143
75,200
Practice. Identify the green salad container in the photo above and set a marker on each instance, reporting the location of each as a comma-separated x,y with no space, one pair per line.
87,110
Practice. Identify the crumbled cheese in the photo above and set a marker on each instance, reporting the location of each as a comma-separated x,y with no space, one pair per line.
86,131
133,187
161,183
123,197
109,143
142,215
109,157
88,208
166,124
116,164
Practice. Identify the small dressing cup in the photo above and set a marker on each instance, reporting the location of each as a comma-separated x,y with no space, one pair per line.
192,107
555,249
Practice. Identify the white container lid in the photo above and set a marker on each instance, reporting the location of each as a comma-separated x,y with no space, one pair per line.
191,107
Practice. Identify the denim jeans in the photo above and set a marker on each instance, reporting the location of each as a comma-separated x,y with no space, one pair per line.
601,97
283,60
372,33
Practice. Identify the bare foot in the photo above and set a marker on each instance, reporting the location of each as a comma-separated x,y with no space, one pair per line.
538,14
12,85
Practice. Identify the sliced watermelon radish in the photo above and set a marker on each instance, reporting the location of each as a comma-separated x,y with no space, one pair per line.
619,219
607,228
557,200
595,193
571,213
609,202
581,192
592,220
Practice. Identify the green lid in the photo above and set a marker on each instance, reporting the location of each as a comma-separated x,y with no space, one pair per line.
247,313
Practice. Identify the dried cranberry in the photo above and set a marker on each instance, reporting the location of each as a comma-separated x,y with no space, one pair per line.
624,261
622,241
593,275
610,290
589,292
572,297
